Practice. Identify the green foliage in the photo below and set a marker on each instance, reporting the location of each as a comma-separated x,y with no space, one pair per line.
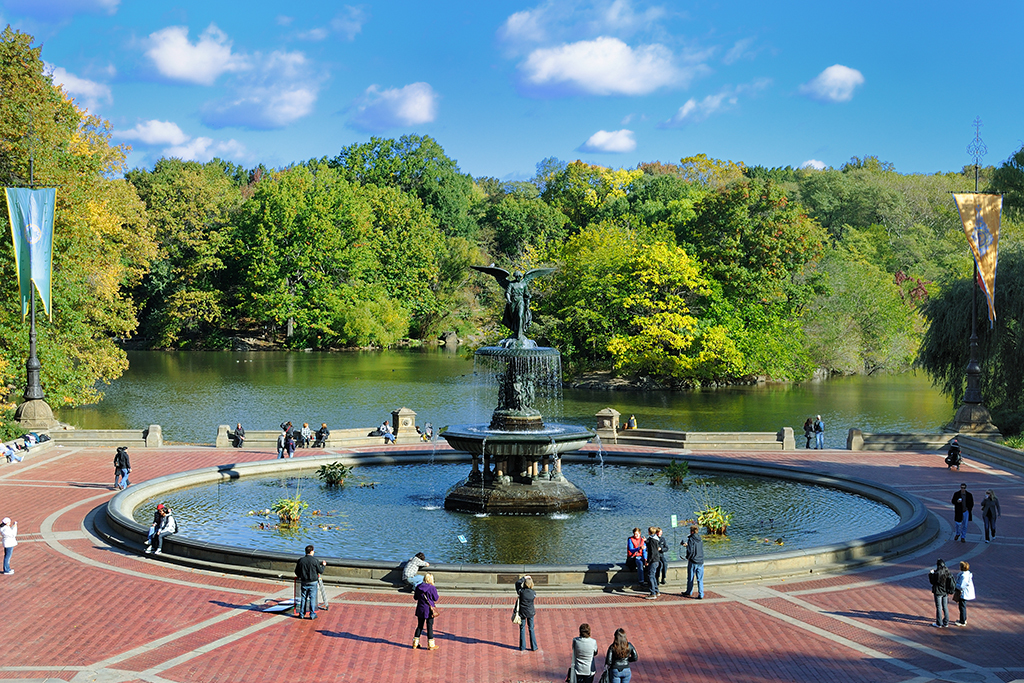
945,350
584,192
289,510
102,240
518,223
333,474
710,514
676,472
1009,180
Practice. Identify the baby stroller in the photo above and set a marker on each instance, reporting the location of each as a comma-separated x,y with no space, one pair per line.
953,456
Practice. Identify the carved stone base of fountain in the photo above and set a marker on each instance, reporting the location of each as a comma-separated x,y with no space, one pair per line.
536,498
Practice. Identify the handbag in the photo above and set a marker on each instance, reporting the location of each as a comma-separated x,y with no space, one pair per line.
516,619
604,676
434,611
957,595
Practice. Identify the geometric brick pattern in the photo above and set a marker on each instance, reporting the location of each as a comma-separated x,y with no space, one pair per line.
78,610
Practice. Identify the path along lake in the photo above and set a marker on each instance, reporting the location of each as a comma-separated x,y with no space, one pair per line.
190,393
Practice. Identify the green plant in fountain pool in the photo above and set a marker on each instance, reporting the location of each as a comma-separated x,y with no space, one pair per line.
711,516
333,474
289,510
677,471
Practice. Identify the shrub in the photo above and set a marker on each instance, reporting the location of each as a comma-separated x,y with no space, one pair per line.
333,474
289,510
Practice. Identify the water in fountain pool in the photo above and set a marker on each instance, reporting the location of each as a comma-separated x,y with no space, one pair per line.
401,515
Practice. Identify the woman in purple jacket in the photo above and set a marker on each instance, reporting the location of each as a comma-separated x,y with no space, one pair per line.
426,596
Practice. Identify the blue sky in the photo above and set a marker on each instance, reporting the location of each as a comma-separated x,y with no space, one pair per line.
502,85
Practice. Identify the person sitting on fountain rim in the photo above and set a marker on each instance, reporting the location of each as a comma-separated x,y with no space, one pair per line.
636,552
321,435
386,432
409,574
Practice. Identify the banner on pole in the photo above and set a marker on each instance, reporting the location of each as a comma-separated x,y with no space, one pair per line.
31,215
980,215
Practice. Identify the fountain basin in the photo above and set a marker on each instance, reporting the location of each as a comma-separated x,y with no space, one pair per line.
553,439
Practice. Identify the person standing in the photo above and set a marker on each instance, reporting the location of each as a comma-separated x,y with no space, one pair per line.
125,465
808,431
9,533
117,468
963,505
942,587
239,435
619,656
694,563
289,443
280,445
965,591
636,552
584,652
410,575
426,597
663,547
819,433
653,561
527,611
308,571
989,513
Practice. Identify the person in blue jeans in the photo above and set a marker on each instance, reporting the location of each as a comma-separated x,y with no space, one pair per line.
636,552
125,465
308,571
819,433
694,563
620,655
524,587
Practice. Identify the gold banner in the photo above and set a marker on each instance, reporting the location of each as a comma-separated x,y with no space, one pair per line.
980,214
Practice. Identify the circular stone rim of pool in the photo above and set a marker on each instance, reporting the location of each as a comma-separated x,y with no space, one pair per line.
119,527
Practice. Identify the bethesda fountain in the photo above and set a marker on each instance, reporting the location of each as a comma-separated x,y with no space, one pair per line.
517,466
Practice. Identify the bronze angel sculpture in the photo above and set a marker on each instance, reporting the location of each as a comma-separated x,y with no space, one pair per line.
517,316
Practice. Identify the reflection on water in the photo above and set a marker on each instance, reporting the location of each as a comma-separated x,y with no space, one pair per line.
190,393
399,517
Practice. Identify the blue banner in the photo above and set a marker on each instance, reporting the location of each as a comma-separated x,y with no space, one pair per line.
31,214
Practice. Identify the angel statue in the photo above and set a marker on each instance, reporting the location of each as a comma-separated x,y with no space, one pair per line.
517,316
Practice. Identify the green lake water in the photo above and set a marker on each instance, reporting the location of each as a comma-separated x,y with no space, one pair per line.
190,393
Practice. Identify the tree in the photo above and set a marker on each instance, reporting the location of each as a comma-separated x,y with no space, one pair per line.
517,223
1009,180
585,191
102,240
190,207
418,165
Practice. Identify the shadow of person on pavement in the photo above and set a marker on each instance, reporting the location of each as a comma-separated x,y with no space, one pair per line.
896,617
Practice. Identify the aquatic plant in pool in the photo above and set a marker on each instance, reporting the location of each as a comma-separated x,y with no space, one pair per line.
403,514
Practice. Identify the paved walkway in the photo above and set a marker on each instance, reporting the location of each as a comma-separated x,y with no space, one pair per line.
78,610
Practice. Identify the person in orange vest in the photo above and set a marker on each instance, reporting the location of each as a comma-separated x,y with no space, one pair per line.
636,552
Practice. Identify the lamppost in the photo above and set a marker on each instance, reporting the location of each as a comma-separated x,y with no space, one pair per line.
972,417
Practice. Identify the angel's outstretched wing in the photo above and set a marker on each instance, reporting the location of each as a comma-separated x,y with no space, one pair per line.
537,272
499,274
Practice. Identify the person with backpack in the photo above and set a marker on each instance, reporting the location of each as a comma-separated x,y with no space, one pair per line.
942,587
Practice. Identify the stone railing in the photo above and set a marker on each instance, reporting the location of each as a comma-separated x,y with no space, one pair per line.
992,452
856,440
151,437
781,440
339,438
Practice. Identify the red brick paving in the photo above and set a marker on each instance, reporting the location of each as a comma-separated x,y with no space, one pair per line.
97,607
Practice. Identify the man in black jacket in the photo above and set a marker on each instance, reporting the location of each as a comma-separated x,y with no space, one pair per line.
963,504
308,571
653,560
694,563
122,465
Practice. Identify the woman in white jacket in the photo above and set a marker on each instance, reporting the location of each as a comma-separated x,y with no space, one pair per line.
965,588
9,532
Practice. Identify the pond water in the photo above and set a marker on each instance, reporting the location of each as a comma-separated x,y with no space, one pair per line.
402,513
190,393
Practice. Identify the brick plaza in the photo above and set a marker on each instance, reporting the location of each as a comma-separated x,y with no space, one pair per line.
77,609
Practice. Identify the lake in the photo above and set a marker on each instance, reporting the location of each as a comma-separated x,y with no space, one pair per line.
189,393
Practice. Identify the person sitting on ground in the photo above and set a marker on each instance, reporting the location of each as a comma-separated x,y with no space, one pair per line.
409,574
321,435
239,435
9,452
166,527
386,432
307,435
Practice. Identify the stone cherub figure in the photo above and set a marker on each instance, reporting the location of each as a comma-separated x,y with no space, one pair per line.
517,316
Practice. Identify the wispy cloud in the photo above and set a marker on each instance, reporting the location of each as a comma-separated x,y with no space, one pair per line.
379,110
694,111
605,66
834,84
172,141
615,142
87,93
176,58
280,90
813,163
348,24
741,49
568,20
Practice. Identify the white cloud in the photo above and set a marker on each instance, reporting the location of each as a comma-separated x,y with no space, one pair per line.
694,111
524,27
178,144
314,35
281,91
379,110
204,149
605,66
834,84
88,93
813,163
349,22
155,133
615,141
178,59
567,20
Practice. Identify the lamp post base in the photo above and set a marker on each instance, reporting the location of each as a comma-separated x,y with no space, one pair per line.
35,414
974,419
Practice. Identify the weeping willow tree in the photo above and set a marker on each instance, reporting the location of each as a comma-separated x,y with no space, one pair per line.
945,350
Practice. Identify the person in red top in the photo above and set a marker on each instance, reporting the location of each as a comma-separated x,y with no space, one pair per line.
636,552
